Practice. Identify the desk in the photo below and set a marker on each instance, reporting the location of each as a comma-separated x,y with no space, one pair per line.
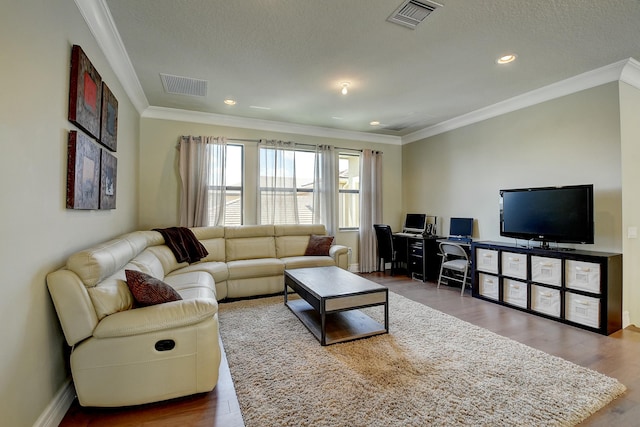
465,245
420,254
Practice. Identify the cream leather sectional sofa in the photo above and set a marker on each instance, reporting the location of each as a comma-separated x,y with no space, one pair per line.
126,356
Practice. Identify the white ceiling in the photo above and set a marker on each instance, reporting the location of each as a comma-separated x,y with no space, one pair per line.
291,55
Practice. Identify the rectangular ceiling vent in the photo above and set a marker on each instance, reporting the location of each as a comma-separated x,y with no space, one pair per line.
183,85
412,12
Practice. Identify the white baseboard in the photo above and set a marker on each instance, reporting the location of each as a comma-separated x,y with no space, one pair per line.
625,319
354,268
58,407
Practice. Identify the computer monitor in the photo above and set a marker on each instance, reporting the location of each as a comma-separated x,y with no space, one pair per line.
461,227
415,223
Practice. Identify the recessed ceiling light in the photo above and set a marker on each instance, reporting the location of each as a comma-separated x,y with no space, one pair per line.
374,123
505,59
345,86
230,101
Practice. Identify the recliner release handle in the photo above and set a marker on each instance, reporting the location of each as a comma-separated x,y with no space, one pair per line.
165,345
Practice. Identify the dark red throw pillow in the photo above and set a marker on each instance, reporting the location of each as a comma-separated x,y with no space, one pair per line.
319,245
147,290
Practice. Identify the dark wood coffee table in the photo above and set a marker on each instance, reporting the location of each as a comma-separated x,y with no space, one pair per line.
330,299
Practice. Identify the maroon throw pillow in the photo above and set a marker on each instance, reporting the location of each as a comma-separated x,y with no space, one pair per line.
319,245
147,290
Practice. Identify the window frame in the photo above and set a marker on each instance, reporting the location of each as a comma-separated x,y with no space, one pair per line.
347,191
239,188
298,189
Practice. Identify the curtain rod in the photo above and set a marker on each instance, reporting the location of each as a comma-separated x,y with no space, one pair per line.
295,143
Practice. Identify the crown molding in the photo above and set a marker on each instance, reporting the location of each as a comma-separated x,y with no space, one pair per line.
627,70
100,22
264,125
631,73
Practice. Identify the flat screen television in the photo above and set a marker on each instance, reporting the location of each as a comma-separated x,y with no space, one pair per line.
415,223
548,214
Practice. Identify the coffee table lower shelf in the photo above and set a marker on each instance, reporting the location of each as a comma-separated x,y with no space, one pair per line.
339,326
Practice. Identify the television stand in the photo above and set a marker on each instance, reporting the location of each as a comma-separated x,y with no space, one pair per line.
581,288
544,245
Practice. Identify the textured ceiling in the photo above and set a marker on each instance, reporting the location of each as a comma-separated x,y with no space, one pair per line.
291,55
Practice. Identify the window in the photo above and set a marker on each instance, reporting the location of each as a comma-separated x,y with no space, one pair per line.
286,186
349,191
233,185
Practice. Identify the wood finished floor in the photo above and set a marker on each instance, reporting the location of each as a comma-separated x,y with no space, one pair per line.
617,355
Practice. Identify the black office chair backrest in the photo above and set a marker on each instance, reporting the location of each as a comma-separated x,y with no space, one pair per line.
385,241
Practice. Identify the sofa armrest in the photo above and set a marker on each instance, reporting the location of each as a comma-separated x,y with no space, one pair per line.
156,318
74,307
340,254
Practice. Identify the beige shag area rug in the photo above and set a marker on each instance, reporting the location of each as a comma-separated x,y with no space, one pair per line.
432,369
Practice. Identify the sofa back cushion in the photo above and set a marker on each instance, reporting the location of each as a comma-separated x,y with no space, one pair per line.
249,242
212,238
99,262
292,240
148,262
112,294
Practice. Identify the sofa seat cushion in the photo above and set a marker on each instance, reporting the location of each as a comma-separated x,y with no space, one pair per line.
218,270
159,317
194,284
308,261
262,267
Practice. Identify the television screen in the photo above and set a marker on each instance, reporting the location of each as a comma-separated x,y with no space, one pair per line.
461,227
415,222
548,214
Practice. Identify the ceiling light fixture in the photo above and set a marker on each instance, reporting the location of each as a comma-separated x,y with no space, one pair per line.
345,86
374,123
230,101
505,59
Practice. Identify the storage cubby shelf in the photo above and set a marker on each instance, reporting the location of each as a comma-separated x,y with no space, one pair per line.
581,288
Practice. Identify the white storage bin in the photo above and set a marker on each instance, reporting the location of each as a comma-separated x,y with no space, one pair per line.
545,300
514,292
488,286
514,265
487,260
581,275
546,270
582,310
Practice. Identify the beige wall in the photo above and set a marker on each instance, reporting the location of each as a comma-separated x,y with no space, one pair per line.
571,140
37,232
575,139
160,178
630,137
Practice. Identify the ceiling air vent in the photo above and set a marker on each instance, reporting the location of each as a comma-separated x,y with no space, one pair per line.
412,12
183,85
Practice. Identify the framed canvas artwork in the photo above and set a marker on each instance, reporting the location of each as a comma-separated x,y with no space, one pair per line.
83,172
85,93
109,119
108,180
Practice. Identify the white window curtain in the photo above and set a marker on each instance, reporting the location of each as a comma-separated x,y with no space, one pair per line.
370,208
325,207
277,191
202,172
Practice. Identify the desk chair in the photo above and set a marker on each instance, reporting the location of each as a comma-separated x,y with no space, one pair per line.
386,250
454,260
